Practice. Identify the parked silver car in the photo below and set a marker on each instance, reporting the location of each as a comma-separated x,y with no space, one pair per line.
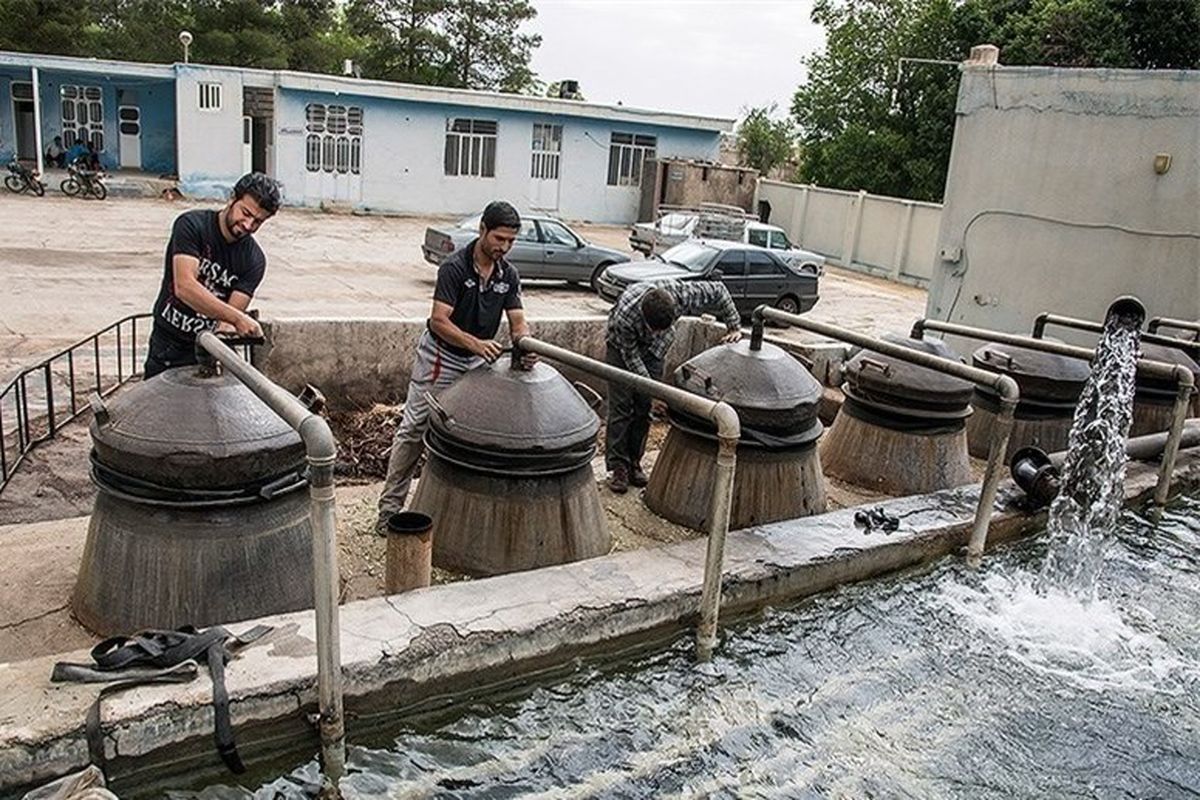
545,248
753,275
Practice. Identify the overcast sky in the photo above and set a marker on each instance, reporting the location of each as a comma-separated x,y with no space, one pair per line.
709,57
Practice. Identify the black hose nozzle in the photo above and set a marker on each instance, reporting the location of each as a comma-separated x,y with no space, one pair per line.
1036,475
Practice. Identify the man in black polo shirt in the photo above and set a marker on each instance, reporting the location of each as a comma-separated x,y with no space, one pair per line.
213,265
474,285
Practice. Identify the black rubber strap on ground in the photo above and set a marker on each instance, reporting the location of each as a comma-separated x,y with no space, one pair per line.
223,728
180,673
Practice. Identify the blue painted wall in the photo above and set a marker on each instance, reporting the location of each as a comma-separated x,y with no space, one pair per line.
402,162
156,98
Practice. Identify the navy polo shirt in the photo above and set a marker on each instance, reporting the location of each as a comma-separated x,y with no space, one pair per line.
477,305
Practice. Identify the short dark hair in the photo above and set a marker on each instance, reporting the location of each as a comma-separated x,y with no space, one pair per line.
265,190
500,214
658,309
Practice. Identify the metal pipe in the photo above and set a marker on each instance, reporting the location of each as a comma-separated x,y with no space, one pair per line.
1181,376
1178,324
1002,385
729,431
321,451
1046,318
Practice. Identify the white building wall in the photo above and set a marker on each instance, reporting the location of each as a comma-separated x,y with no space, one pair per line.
402,162
210,141
1052,199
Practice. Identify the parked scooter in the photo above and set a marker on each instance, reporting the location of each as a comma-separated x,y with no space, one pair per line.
22,179
84,182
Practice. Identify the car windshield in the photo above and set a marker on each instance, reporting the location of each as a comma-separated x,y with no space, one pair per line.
692,256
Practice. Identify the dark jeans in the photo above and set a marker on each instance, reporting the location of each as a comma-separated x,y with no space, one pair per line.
628,417
165,352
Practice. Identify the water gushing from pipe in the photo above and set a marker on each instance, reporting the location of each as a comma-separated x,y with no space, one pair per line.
1084,515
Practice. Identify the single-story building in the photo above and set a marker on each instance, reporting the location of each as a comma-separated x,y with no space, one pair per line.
362,143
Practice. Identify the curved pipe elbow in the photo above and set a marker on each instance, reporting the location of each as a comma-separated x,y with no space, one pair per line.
319,444
1008,389
1039,324
918,330
1184,377
726,420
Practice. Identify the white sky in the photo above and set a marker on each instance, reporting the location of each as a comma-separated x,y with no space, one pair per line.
709,57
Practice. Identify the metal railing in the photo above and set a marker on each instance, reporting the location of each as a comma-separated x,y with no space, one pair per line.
29,411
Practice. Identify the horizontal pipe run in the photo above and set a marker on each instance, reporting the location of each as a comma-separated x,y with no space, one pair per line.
321,451
1177,324
1004,385
1182,377
1150,446
1192,348
729,430
1145,367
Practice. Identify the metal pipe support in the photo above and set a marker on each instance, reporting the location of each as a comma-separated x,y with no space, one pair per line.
320,451
729,431
1002,385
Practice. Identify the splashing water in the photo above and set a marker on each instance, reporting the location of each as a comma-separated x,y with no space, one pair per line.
1084,515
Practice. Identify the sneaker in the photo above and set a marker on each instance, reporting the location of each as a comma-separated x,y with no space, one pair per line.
619,482
638,478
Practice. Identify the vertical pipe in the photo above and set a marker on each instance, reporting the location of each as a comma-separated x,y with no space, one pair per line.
96,356
1183,399
714,556
997,448
332,724
120,358
3,447
37,119
71,379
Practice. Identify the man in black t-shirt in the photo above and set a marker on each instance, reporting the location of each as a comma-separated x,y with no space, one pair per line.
475,285
212,267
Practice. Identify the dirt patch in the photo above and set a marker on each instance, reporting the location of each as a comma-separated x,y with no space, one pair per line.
364,438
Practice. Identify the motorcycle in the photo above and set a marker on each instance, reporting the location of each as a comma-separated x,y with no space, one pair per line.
84,182
22,179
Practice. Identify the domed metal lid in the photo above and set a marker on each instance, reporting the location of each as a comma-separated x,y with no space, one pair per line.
180,429
499,406
1040,376
766,379
875,375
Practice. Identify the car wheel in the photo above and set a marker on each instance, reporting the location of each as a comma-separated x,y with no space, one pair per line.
788,304
596,273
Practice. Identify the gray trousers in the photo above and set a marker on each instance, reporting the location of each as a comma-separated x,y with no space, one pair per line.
434,369
628,416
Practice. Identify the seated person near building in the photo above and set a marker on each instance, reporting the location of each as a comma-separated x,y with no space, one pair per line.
75,152
55,154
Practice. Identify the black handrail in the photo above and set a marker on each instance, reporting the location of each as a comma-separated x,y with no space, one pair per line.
29,432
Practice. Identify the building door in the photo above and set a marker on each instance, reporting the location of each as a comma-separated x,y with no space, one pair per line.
26,128
259,143
247,144
129,122
545,166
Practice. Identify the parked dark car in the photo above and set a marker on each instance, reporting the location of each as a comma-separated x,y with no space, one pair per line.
545,248
753,275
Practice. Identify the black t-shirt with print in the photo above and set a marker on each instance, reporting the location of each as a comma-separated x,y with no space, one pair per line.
477,309
224,269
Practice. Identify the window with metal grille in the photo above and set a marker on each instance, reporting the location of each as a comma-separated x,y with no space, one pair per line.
471,147
210,96
547,150
334,138
82,113
626,154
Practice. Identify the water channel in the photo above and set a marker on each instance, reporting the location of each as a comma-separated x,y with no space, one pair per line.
938,683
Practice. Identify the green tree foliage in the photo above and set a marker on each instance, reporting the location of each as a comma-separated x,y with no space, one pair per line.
871,121
764,142
468,43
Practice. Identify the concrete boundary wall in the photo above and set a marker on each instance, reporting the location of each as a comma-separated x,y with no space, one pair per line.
401,650
359,362
887,236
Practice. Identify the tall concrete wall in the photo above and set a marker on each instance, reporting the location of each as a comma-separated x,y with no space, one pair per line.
1053,201
402,160
879,235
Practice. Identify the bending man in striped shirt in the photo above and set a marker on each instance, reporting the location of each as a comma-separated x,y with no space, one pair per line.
640,331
